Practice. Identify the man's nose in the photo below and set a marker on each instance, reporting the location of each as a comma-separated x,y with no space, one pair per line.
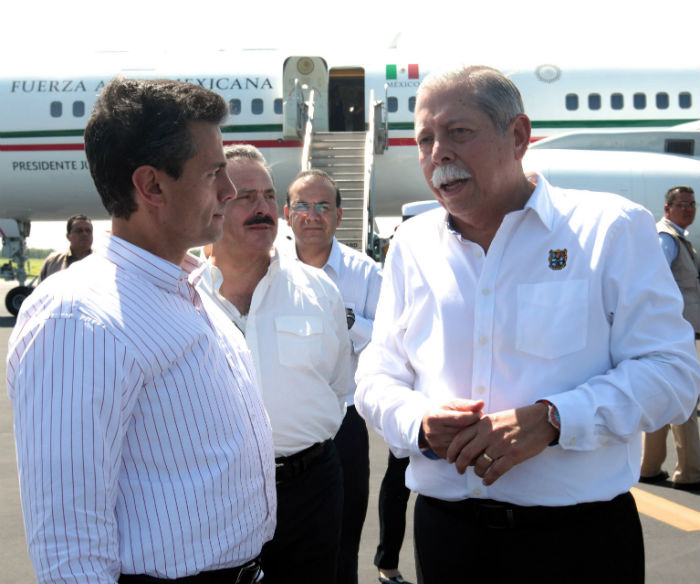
441,154
227,190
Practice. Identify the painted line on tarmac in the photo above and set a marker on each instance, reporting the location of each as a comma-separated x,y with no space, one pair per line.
666,511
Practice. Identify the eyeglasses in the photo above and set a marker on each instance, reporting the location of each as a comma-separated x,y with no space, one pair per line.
305,208
685,204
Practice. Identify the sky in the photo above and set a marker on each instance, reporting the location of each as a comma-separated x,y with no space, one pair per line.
594,32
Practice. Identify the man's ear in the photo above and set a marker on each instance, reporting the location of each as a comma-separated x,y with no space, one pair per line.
286,214
340,216
146,181
522,131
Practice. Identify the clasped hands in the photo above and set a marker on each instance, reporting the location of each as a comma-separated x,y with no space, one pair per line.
461,433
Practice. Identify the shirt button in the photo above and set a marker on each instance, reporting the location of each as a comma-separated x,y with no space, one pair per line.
572,442
486,291
477,253
476,491
483,340
480,390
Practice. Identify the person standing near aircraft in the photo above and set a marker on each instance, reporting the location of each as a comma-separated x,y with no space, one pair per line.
314,212
679,213
293,319
79,234
525,336
144,450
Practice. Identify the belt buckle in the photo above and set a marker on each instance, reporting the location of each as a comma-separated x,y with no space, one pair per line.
248,573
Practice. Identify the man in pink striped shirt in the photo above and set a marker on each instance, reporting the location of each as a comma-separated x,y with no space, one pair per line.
144,450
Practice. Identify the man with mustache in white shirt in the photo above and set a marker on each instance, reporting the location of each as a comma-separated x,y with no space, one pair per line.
525,336
294,322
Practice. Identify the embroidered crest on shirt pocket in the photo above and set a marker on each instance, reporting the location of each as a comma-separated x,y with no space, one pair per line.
557,259
552,318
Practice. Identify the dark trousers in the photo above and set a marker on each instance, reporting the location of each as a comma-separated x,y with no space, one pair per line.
352,443
469,541
309,511
393,499
246,574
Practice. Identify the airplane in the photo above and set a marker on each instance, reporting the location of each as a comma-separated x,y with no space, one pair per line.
282,103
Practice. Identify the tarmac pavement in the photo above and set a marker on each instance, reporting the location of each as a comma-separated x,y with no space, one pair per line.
672,552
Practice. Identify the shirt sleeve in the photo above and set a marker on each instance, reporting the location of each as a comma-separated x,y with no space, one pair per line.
361,331
669,246
385,378
73,387
654,378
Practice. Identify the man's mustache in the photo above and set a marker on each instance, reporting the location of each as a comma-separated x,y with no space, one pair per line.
260,220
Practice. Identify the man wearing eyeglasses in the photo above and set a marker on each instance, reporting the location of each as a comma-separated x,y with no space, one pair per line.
314,212
679,213
293,319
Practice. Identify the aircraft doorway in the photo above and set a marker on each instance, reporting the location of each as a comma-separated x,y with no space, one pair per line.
346,99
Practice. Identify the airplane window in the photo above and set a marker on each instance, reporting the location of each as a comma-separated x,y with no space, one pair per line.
412,103
684,100
277,105
617,102
572,101
594,101
257,106
56,109
234,106
640,101
662,100
392,104
78,109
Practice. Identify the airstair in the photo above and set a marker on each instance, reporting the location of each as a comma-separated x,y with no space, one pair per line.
342,156
348,157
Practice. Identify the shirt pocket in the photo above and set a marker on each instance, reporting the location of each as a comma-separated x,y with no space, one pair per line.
552,318
298,340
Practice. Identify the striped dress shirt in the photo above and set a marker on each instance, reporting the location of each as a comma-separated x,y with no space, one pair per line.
142,442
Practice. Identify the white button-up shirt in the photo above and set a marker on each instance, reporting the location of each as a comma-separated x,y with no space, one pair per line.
142,442
574,303
359,279
297,332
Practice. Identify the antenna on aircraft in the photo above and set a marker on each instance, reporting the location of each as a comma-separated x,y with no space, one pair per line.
394,44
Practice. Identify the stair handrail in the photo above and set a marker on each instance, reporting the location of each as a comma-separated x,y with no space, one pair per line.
368,186
308,133
381,124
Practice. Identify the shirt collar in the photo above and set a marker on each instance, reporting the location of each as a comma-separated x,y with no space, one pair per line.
143,264
334,260
540,202
213,278
677,227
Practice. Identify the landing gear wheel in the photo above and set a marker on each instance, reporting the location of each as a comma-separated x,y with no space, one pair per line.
15,297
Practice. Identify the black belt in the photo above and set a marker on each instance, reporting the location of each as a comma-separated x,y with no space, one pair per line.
492,514
289,467
245,574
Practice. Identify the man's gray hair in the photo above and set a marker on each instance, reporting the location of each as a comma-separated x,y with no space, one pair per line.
492,92
246,152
